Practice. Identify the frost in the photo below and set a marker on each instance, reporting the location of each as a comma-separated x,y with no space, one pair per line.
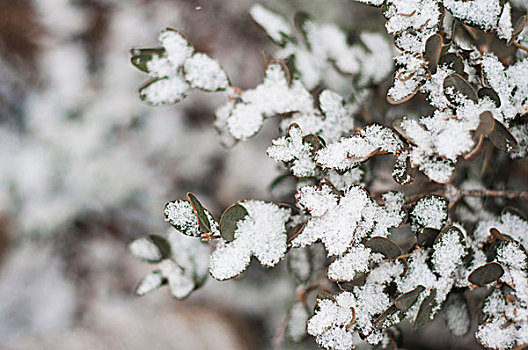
504,29
261,234
448,252
203,72
512,255
164,91
296,324
176,46
496,334
292,148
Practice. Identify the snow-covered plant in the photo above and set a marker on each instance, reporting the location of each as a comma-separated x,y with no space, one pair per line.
382,254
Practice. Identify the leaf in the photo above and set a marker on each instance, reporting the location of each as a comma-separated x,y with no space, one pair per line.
404,173
458,317
425,313
486,124
502,138
200,213
454,85
405,301
358,281
384,246
150,282
489,92
383,320
230,219
180,214
163,245
433,48
141,57
486,273
426,236
323,296
203,72
164,91
453,61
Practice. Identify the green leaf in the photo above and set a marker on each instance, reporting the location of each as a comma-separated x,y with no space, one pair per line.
229,221
486,273
405,301
384,246
502,138
426,236
425,313
200,213
163,245
384,320
453,61
433,48
489,92
455,84
141,57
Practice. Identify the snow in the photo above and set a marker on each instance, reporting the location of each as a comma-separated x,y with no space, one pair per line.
333,222
149,283
494,334
176,46
347,266
297,319
274,25
145,249
429,211
291,148
180,214
483,13
448,252
261,234
511,254
164,91
458,319
505,29
203,72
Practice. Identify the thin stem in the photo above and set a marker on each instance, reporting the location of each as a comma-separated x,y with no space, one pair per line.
494,193
520,46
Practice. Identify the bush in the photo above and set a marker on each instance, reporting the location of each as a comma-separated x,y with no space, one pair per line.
441,234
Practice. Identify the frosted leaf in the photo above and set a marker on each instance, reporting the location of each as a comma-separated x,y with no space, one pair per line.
391,214
273,96
274,25
181,283
329,314
261,234
176,46
145,249
180,214
436,169
448,251
335,228
496,334
348,152
410,14
203,72
520,133
482,13
418,273
299,263
346,267
160,66
337,338
164,91
292,148
149,283
429,211
335,109
296,322
508,223
504,28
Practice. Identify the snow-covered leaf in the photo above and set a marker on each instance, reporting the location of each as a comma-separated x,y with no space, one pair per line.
203,72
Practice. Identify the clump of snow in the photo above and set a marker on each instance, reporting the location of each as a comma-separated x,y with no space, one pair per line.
181,215
274,25
203,72
261,234
429,211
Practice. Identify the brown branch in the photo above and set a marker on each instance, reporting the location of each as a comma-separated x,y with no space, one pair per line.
520,46
494,193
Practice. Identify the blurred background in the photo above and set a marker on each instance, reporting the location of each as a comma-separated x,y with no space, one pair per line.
85,168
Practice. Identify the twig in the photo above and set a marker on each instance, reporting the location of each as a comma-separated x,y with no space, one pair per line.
520,46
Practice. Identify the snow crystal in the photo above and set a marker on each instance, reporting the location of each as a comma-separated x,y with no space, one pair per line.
176,46
345,268
262,234
273,24
203,72
145,249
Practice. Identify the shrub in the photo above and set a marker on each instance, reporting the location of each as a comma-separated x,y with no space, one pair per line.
430,244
